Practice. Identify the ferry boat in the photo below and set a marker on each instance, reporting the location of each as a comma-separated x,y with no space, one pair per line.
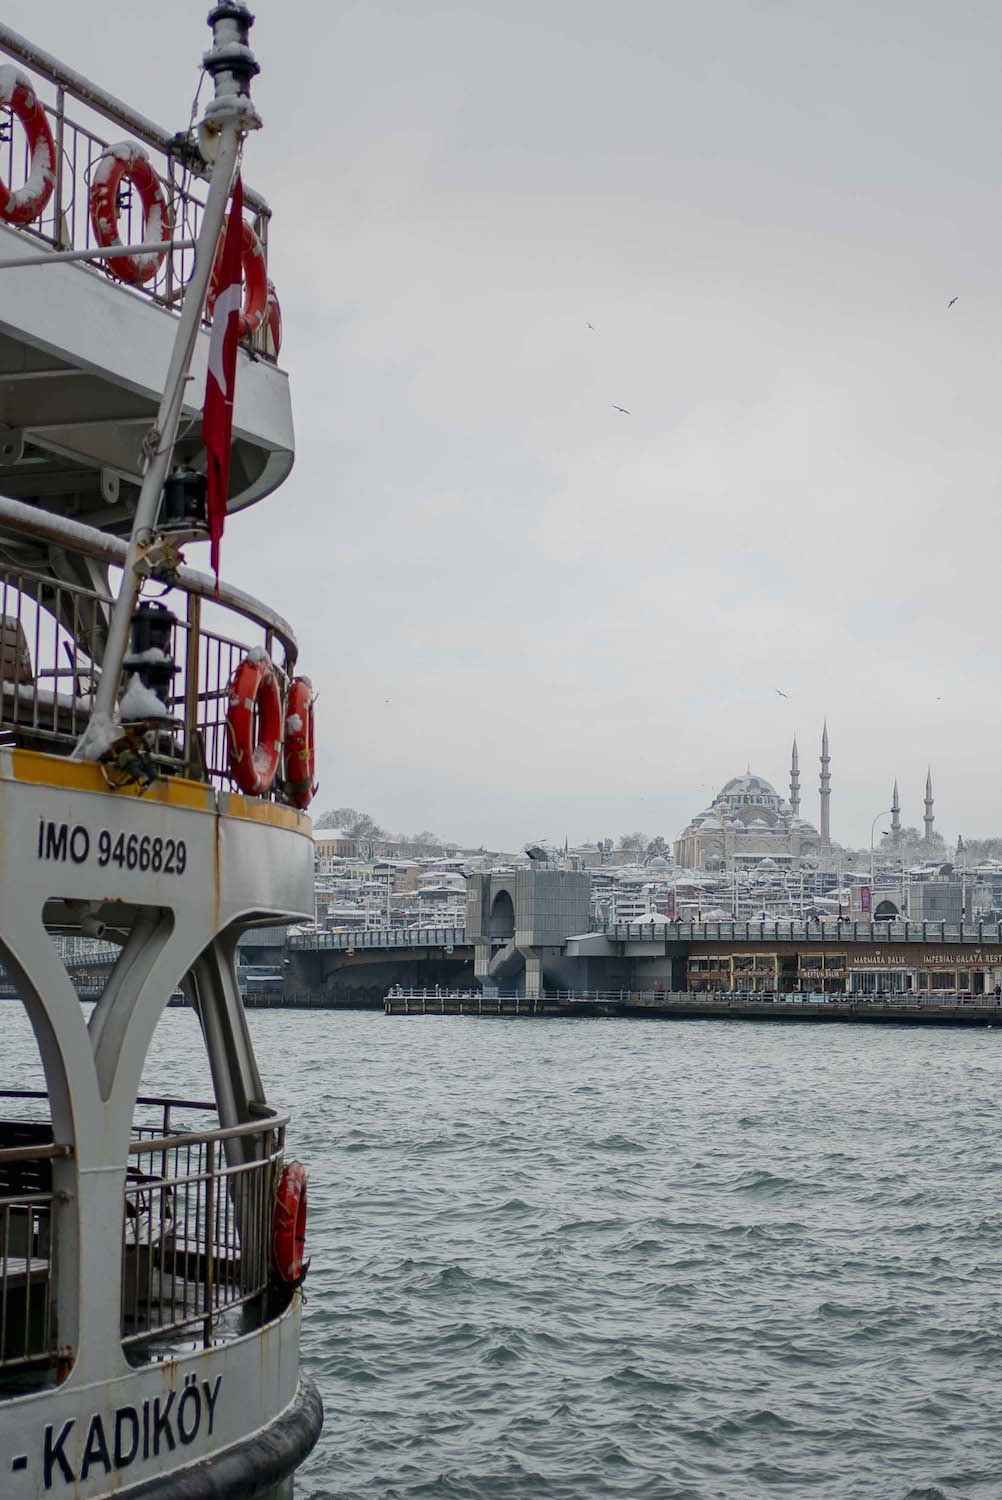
156,761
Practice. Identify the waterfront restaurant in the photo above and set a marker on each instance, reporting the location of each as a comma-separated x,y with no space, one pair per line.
854,969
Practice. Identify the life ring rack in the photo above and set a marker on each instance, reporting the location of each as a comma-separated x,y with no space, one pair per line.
24,204
254,694
288,1228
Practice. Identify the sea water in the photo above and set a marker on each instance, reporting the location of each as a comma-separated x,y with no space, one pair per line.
573,1258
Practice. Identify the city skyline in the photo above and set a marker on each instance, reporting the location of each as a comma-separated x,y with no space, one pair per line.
916,812
523,610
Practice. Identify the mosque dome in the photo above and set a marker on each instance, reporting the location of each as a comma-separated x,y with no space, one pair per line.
747,816
748,791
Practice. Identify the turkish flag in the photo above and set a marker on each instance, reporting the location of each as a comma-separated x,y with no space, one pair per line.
217,413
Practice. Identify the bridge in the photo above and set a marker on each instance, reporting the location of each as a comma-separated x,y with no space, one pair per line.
841,956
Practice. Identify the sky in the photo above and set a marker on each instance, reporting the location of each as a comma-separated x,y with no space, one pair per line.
529,615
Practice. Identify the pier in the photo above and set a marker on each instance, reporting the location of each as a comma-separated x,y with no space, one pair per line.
906,1009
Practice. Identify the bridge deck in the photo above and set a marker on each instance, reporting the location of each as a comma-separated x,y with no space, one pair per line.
975,933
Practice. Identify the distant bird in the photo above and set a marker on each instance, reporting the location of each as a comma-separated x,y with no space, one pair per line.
951,301
622,409
592,327
783,695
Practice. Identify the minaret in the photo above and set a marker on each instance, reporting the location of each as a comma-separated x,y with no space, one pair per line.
826,791
928,806
895,814
795,780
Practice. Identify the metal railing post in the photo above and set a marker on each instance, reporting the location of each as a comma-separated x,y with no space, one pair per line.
172,199
191,683
60,131
210,1241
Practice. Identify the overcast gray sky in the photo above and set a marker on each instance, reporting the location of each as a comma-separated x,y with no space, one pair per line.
526,613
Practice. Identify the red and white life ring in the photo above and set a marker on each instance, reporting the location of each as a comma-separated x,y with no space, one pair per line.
17,93
255,277
300,758
128,162
288,1233
274,336
254,752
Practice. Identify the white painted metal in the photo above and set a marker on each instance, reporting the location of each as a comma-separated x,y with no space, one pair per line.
257,1379
237,872
110,351
96,253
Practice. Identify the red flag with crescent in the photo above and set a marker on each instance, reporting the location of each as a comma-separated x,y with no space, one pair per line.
217,413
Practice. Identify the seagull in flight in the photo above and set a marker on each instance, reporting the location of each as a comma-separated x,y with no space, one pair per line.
622,409
951,301
783,695
592,327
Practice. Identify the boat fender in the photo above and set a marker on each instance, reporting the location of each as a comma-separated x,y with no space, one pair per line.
127,162
254,694
17,93
255,276
300,756
288,1236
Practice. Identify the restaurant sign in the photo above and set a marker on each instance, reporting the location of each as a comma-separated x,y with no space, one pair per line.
937,958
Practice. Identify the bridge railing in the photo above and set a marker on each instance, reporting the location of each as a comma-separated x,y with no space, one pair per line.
839,931
381,937
790,931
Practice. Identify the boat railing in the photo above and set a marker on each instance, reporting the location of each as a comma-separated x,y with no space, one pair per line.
52,635
196,1227
196,1233
65,223
27,1326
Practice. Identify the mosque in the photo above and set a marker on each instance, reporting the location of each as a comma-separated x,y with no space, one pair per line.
749,825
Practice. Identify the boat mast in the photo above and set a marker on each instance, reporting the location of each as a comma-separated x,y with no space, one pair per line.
227,119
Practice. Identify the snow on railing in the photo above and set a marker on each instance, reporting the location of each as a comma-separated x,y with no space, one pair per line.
52,636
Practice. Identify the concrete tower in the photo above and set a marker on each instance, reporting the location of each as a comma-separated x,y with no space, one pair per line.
928,806
826,790
795,780
895,814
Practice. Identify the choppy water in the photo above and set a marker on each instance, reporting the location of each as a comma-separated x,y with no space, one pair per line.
691,1259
